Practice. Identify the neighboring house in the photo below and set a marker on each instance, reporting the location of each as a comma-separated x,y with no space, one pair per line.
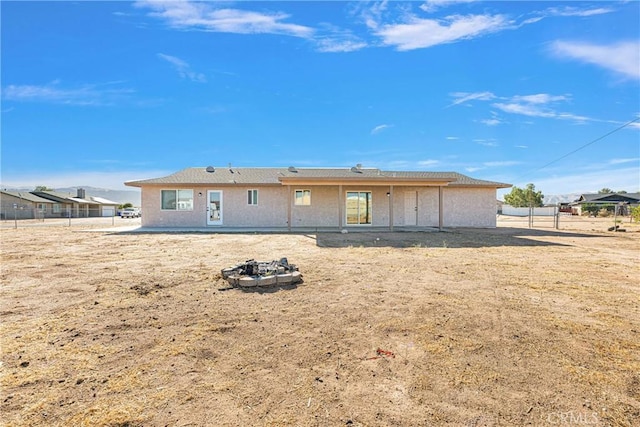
24,205
69,206
64,206
106,207
296,198
52,204
622,200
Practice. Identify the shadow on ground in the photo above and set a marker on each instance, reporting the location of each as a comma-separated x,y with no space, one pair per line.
456,238
262,289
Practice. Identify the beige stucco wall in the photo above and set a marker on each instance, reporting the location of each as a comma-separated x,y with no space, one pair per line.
153,216
323,211
469,207
328,207
271,210
463,207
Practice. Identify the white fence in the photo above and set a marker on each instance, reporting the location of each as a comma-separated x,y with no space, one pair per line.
543,211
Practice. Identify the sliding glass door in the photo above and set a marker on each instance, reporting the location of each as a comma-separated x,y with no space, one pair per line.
359,207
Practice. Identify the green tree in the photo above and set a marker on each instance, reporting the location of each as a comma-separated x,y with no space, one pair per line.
43,188
126,205
605,191
520,198
635,213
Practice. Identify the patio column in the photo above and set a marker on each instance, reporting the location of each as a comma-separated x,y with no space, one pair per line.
289,207
440,209
340,207
391,207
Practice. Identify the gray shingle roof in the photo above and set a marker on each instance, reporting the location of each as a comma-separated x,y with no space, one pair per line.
262,176
609,197
53,195
26,196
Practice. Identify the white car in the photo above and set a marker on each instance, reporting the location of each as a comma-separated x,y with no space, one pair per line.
130,213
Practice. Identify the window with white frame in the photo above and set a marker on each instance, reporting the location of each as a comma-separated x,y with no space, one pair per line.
303,198
57,208
42,207
252,197
176,200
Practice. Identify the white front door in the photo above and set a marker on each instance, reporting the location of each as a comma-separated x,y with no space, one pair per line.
214,207
411,208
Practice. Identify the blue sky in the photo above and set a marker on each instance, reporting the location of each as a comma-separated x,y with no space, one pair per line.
97,93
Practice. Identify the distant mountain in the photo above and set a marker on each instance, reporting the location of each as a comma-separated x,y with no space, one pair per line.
119,196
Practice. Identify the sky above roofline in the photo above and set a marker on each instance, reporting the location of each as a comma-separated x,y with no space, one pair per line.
99,93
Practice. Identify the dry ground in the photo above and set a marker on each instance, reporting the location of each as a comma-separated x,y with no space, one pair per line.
503,327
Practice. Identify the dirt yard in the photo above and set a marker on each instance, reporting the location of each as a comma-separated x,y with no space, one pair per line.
504,327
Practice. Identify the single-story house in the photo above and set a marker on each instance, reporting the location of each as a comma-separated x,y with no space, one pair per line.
53,204
606,200
23,205
297,198
66,205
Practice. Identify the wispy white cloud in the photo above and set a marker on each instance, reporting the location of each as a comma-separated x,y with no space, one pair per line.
379,129
183,68
501,163
206,16
486,143
433,5
336,44
621,58
371,14
418,33
428,163
464,97
621,161
576,11
540,98
535,105
534,110
330,38
452,138
84,95
490,165
491,122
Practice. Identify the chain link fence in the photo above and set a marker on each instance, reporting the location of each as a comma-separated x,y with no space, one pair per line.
23,216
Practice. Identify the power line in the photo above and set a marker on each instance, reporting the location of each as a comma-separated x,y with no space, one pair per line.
582,147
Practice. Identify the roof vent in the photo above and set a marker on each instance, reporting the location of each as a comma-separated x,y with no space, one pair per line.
292,169
355,170
210,169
